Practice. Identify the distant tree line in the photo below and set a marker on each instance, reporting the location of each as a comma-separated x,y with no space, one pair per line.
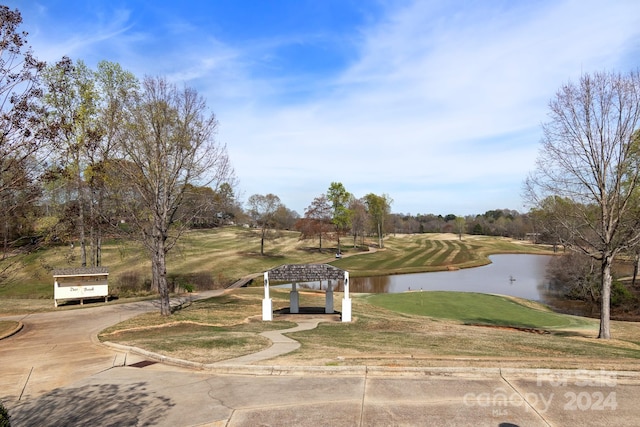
498,222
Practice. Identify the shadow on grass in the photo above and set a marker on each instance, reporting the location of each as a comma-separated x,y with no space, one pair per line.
266,255
525,328
94,405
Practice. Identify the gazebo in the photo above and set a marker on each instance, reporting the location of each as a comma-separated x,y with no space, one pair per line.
295,273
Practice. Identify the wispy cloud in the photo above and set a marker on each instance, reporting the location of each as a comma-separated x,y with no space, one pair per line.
437,97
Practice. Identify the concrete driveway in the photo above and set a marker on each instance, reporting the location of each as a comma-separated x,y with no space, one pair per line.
55,373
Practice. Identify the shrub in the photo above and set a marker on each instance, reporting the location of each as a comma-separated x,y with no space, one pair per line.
131,283
620,294
4,416
190,282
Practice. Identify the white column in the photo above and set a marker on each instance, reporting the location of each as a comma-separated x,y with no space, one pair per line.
346,301
294,299
328,306
267,310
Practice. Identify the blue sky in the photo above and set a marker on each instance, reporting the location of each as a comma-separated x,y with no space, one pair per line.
436,103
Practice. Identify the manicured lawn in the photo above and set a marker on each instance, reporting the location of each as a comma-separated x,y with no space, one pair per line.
431,252
475,308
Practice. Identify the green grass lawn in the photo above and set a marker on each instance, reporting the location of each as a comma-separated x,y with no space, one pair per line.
476,308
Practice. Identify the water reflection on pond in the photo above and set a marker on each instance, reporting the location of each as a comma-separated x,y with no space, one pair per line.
516,275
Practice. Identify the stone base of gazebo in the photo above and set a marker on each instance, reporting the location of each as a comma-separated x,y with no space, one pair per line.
307,312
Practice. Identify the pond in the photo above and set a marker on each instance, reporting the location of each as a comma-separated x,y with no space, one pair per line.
518,275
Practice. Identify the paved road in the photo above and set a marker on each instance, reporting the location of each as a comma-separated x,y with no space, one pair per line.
55,373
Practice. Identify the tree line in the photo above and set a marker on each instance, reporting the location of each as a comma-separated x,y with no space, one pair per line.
330,216
86,153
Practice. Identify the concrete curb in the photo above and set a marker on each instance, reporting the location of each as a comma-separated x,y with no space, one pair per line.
17,329
377,371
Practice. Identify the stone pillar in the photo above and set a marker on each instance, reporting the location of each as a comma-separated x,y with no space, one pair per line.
267,308
346,301
294,299
328,306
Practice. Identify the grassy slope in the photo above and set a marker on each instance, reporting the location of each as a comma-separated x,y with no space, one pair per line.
476,308
432,252
231,253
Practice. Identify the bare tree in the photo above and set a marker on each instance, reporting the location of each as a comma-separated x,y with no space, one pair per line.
262,209
317,219
590,161
168,144
115,87
460,224
359,219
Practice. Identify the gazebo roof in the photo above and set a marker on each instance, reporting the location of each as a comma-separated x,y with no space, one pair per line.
306,272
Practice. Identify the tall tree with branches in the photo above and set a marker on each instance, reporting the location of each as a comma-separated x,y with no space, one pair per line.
341,215
317,219
21,130
590,162
263,209
378,208
72,102
116,87
168,144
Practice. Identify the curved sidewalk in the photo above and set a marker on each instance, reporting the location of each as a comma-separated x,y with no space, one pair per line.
279,344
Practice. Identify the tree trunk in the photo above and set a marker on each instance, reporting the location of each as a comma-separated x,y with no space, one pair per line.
83,245
636,265
99,249
165,307
5,242
159,274
605,309
92,244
